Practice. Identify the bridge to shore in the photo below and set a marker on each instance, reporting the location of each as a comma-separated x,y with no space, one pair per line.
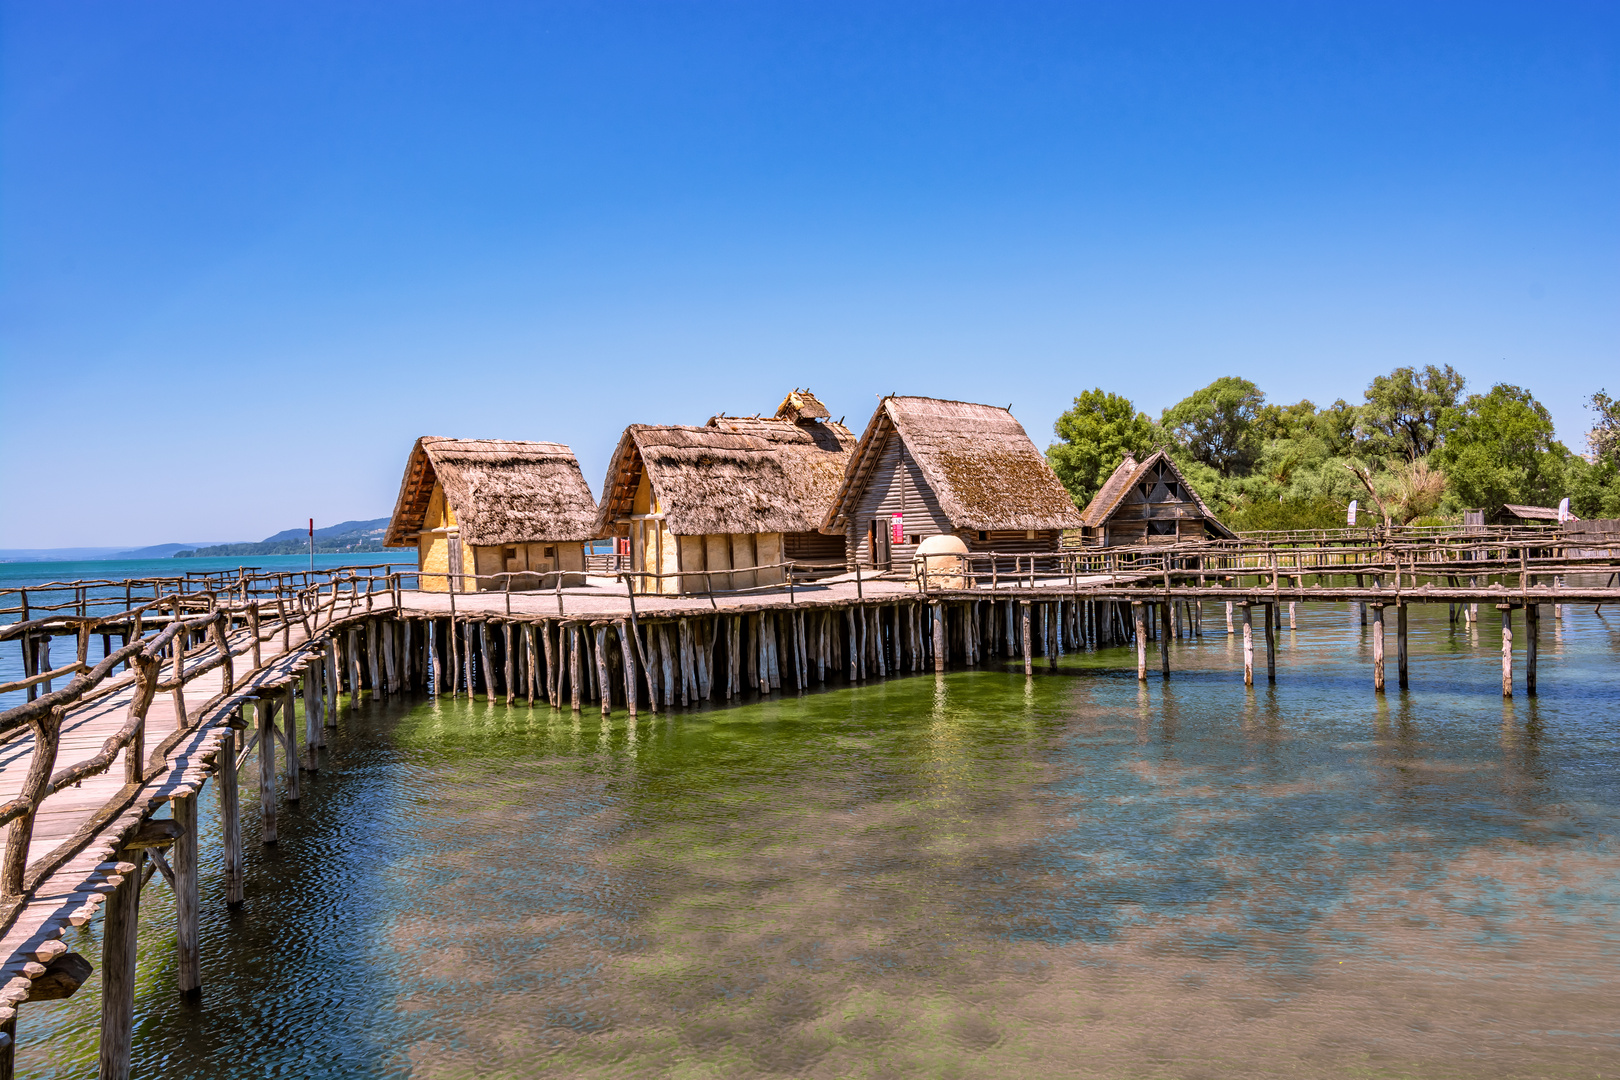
99,778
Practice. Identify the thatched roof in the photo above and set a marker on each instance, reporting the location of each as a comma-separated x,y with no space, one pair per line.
977,460
736,474
1531,513
1127,475
500,492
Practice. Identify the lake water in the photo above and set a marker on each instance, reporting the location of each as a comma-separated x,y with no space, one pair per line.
971,876
31,575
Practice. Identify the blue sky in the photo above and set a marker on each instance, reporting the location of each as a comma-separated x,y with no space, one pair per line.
248,251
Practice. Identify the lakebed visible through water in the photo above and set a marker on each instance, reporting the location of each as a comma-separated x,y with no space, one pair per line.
974,875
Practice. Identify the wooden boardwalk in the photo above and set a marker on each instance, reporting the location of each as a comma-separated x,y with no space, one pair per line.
94,842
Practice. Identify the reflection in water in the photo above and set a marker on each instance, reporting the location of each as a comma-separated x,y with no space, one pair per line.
972,875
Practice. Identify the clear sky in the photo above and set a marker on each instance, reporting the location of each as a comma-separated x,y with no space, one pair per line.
249,251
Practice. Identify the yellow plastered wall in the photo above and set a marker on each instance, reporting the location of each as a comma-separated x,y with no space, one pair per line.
433,548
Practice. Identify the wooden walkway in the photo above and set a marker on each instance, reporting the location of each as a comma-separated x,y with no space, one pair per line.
95,842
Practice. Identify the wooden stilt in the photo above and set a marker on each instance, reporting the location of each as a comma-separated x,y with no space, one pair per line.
574,700
1378,647
1229,617
312,716
1532,632
1507,649
602,678
1271,643
1029,664
331,676
289,741
1164,637
1248,646
188,964
230,812
119,933
509,646
1400,646
937,635
531,667
627,646
264,719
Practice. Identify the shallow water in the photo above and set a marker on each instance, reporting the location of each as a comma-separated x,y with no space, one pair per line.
1074,875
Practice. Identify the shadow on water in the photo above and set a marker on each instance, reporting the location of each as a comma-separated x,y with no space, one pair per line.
971,875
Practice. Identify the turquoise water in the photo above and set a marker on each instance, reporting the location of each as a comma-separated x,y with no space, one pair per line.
972,876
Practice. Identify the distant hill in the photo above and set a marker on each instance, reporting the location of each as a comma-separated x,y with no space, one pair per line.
160,551
343,537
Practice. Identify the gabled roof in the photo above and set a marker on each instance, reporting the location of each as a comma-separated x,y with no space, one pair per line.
976,459
500,492
1532,513
736,474
1129,473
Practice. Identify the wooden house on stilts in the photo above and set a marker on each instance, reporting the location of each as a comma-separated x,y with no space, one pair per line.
722,506
479,509
1149,502
926,467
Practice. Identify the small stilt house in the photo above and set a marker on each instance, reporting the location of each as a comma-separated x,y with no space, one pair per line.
723,505
926,467
477,509
1149,502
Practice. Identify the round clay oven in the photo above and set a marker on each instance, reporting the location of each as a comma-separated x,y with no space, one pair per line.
943,561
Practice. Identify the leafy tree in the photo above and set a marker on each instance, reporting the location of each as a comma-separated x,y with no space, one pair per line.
1499,448
1096,435
1219,425
1336,427
1402,414
1604,438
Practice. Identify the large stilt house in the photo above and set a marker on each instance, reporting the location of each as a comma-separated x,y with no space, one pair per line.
1149,502
722,506
478,510
926,467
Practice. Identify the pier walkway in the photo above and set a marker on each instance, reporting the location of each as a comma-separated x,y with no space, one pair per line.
101,767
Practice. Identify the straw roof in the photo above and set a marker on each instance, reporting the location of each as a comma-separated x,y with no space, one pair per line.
1126,476
736,474
500,492
1531,513
978,461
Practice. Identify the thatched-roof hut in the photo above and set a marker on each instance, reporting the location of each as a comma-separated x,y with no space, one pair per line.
737,493
480,507
926,467
1517,514
1149,502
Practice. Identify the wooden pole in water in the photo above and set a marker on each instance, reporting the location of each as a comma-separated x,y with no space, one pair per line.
602,678
1164,638
230,812
1400,645
1029,665
1248,645
509,634
1141,640
627,646
263,707
313,729
1378,647
119,934
1532,631
573,667
187,945
937,635
331,674
1229,617
1507,649
289,738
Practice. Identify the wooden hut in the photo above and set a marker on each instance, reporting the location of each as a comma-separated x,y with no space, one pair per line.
480,507
1149,502
1516,514
738,493
926,467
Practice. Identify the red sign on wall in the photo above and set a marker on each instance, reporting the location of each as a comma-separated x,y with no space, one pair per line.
898,529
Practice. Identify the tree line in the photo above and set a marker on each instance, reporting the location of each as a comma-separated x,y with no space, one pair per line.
1418,449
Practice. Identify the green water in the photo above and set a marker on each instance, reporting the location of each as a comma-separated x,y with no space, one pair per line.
973,876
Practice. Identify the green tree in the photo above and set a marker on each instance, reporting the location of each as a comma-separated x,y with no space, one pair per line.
1096,435
1604,439
1219,425
1402,414
1499,448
